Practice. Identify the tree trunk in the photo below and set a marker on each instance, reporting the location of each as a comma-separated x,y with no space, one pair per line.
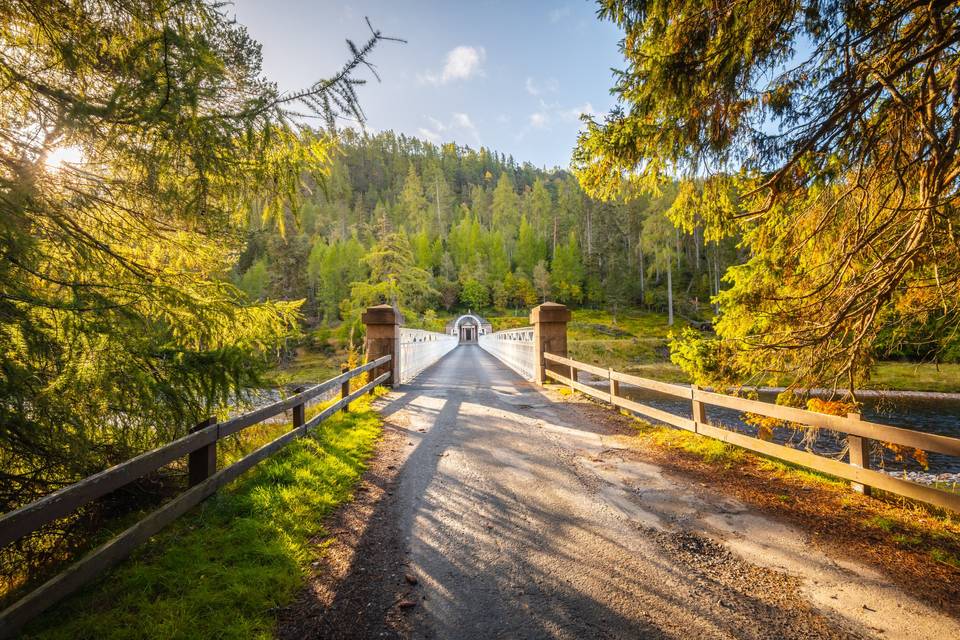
589,232
676,235
643,276
716,274
554,233
439,223
669,296
696,249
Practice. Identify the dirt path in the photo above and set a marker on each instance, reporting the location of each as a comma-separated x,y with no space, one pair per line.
493,512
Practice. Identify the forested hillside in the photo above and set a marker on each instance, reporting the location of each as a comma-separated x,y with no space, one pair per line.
404,221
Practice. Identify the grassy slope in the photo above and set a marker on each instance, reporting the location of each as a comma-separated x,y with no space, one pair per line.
221,570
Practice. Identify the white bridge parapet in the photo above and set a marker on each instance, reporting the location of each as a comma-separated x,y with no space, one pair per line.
514,348
419,349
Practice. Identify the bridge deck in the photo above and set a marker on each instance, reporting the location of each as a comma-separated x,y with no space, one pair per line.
521,517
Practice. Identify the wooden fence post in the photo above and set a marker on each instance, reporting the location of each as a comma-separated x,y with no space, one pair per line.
345,387
614,387
299,411
859,448
202,463
549,322
699,413
383,338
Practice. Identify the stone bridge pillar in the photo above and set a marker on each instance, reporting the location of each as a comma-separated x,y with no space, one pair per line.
549,322
383,338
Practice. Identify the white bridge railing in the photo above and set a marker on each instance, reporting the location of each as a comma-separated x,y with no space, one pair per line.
514,348
419,349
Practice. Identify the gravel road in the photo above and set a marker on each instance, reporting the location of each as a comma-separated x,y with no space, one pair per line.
493,511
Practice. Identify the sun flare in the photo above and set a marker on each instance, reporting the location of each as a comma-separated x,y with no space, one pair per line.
61,156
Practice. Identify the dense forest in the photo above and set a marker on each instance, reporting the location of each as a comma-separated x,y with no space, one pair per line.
403,221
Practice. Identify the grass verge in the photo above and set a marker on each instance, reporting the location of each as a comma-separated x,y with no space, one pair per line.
222,570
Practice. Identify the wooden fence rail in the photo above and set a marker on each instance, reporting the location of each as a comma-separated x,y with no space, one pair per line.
204,479
859,432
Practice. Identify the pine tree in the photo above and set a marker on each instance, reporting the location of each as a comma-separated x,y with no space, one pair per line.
540,208
119,330
530,249
505,207
413,204
567,272
541,280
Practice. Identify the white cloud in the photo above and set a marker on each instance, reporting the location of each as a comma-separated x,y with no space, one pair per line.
575,113
552,115
535,88
463,120
458,128
556,15
462,63
429,134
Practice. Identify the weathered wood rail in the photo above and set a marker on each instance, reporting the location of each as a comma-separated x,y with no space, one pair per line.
859,432
201,446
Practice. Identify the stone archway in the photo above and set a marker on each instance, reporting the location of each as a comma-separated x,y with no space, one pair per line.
468,328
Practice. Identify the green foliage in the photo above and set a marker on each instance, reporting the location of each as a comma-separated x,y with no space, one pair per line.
530,250
255,280
331,269
541,280
412,204
394,278
567,268
539,205
119,325
702,358
509,218
822,151
475,294
505,206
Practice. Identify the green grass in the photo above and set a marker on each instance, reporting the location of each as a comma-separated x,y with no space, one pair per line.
941,555
640,346
223,569
908,376
885,524
708,449
308,366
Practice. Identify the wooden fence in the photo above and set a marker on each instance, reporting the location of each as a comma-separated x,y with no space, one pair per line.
859,432
201,447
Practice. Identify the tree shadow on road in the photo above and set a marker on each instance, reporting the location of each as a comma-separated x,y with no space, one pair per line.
483,527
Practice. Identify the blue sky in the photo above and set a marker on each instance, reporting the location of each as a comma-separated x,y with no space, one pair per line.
511,76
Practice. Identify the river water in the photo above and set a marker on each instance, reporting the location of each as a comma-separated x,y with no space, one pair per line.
934,414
